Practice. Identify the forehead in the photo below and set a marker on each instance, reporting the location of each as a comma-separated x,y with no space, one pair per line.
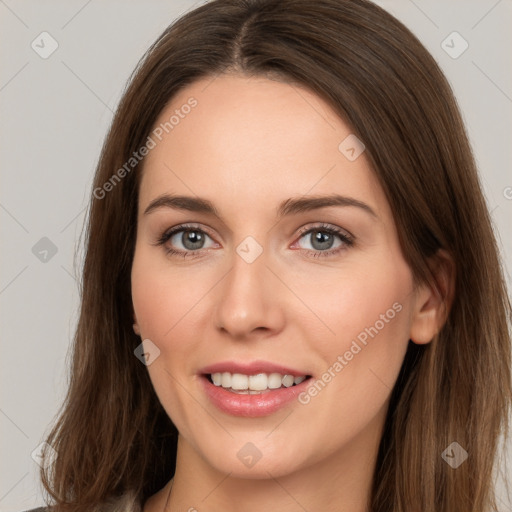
252,142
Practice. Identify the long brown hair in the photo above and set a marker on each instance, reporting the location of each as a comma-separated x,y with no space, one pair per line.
112,434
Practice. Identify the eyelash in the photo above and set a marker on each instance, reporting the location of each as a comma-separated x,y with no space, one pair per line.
347,240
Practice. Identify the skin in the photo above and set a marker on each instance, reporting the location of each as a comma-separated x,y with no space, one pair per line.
248,145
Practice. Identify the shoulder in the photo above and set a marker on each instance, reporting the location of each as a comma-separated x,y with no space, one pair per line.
127,502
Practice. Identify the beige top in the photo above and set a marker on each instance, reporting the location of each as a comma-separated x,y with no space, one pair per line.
125,503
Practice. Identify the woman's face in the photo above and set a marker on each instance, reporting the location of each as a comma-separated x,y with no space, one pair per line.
287,263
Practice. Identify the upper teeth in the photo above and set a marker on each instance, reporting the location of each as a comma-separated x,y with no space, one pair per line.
259,382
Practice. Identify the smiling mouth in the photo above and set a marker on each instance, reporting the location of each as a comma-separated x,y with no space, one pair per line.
260,383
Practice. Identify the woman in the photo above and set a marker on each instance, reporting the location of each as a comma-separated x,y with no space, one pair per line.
292,297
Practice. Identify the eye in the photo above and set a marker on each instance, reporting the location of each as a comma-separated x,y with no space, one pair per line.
184,240
190,239
325,240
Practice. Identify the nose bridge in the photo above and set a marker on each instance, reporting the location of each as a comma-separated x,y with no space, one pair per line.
247,300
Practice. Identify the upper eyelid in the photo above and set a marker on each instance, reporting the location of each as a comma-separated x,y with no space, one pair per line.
187,227
328,227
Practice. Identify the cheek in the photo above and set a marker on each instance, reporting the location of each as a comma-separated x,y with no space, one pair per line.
164,304
358,303
366,322
170,310
368,313
162,294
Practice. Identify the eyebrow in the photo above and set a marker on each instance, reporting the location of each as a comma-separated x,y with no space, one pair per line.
288,207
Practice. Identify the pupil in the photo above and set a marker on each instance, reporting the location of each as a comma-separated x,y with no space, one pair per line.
192,239
323,239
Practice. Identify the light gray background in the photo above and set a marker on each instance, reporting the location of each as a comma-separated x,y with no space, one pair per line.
54,116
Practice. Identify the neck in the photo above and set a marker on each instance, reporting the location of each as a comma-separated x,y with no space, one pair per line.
340,482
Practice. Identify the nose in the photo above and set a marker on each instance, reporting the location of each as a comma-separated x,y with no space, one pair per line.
249,300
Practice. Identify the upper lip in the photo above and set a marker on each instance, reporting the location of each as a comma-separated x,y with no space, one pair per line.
251,368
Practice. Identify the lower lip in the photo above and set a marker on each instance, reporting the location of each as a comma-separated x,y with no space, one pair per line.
252,406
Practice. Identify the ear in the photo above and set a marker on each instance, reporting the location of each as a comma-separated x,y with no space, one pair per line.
136,328
433,301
